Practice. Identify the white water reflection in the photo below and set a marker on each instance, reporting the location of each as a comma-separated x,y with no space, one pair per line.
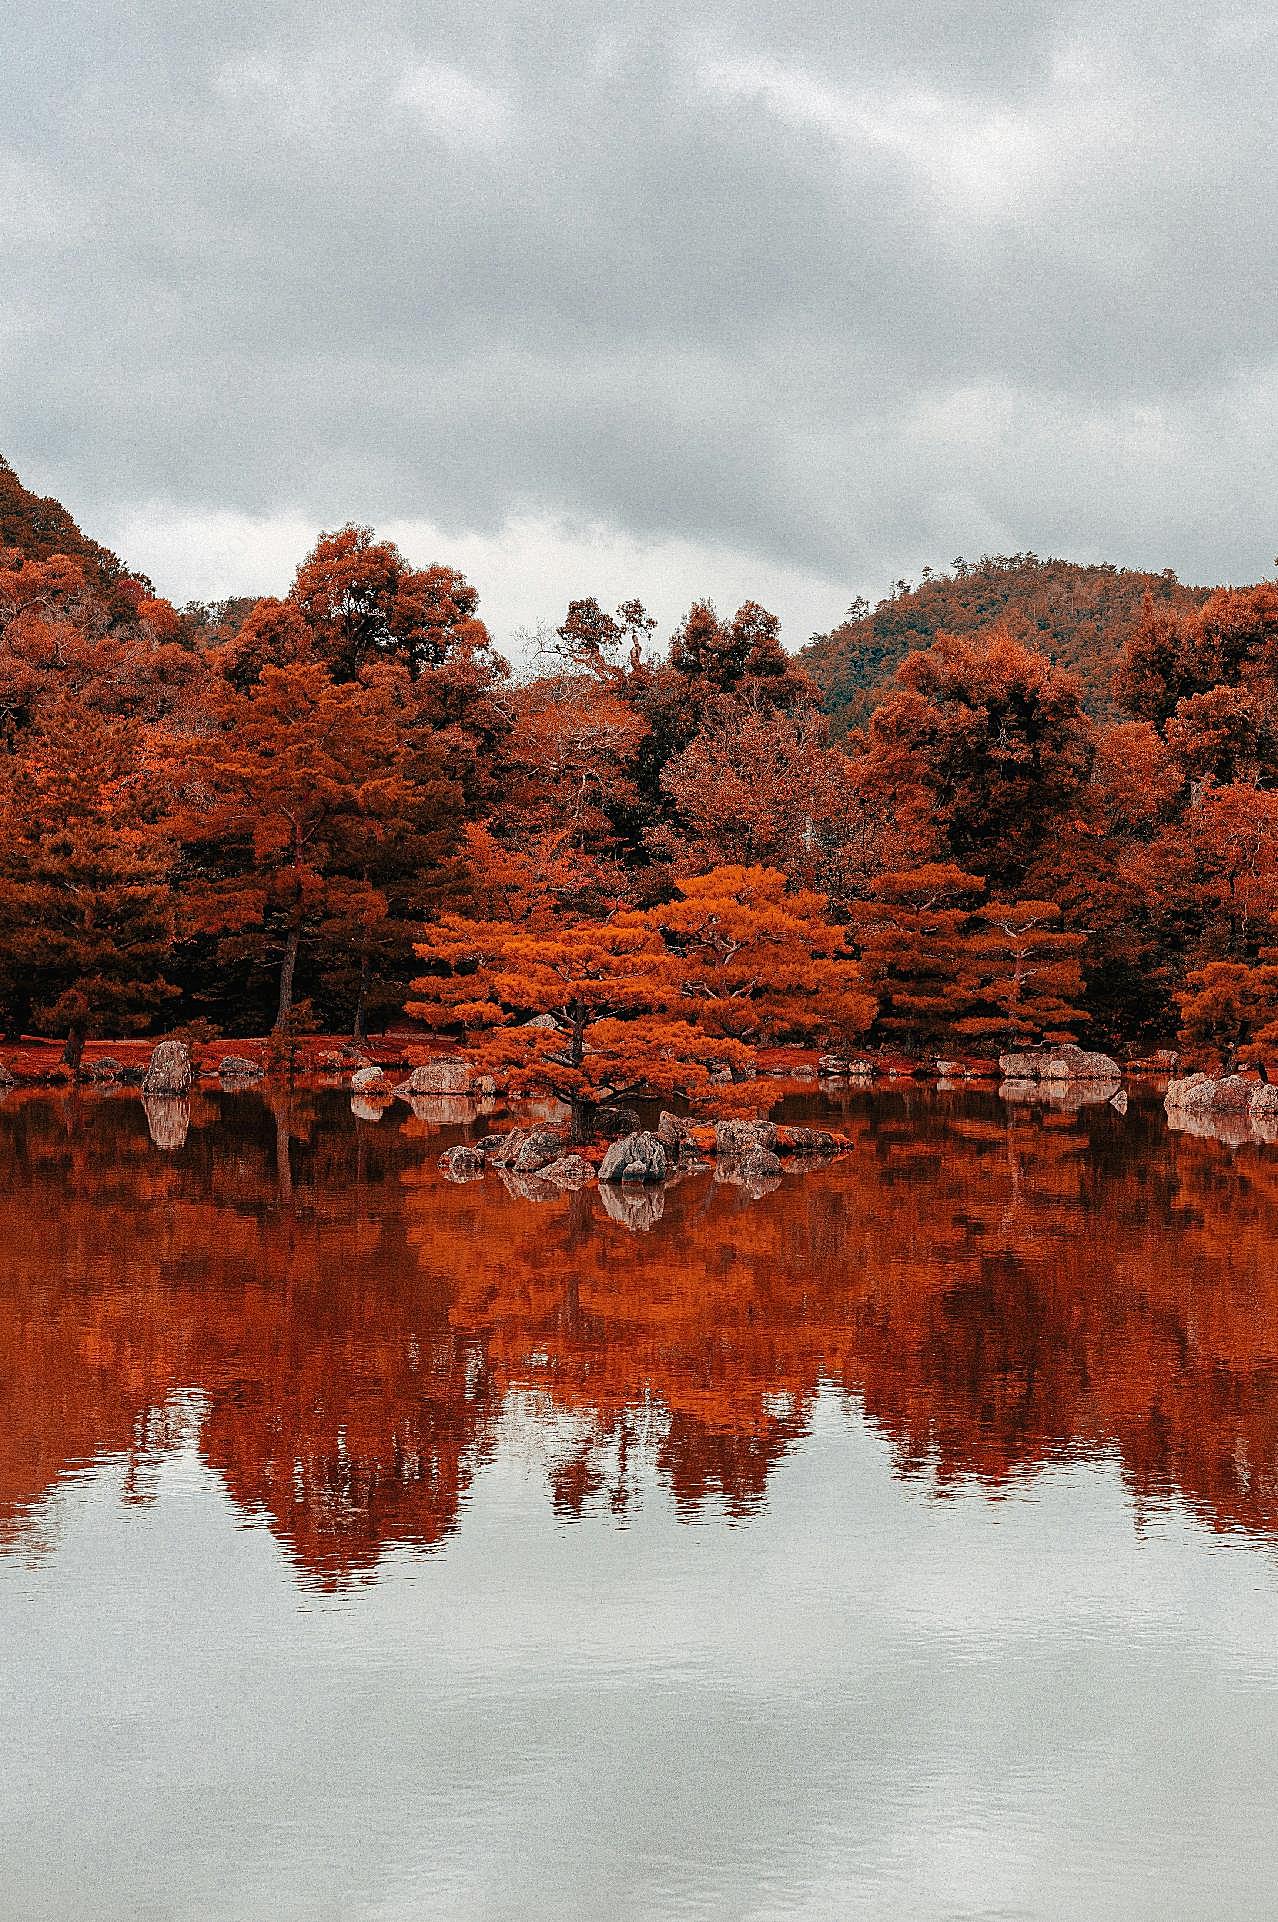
863,1702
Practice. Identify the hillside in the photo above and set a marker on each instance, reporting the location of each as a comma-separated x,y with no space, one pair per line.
38,526
1078,615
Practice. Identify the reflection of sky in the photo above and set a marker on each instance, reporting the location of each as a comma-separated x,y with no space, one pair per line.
862,1702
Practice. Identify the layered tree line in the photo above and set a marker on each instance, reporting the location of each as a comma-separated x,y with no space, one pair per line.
325,810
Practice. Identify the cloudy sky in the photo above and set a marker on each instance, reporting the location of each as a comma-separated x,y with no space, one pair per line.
779,301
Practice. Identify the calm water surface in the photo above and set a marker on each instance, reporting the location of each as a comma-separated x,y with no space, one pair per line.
899,1544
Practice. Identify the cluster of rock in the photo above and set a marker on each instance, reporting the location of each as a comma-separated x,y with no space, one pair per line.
1226,1107
537,1163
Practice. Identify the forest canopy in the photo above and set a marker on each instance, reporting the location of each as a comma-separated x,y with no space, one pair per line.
1023,801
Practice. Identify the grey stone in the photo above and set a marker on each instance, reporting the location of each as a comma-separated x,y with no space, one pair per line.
238,1067
1064,1063
734,1139
170,1070
507,1147
539,1147
449,1075
1264,1100
568,1171
365,1080
637,1157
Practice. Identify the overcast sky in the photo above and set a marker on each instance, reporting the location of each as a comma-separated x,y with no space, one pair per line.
779,301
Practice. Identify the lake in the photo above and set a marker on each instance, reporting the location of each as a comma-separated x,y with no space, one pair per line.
897,1544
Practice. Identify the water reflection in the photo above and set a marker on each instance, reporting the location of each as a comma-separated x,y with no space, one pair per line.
997,1286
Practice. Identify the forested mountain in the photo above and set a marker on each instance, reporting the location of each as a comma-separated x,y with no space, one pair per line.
1078,616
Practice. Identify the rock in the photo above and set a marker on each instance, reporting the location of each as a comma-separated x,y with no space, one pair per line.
1065,1063
365,1080
805,1141
462,1163
485,1084
169,1118
540,1021
949,1070
238,1067
7,1078
1118,1102
733,1139
673,1132
105,1068
612,1121
170,1070
636,1157
506,1147
1203,1094
449,1075
539,1147
568,1171
1264,1101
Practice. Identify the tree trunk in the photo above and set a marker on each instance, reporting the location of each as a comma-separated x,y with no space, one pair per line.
73,1053
288,968
581,1119
359,1033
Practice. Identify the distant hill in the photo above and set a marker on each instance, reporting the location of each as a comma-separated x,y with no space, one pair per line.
38,526
1077,615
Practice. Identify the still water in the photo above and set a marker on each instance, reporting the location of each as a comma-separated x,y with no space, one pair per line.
900,1544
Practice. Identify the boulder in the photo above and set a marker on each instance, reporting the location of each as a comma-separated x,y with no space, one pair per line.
540,1021
805,1141
636,1157
673,1132
462,1163
1118,1102
1264,1101
449,1075
1204,1094
238,1067
539,1147
501,1149
733,1139
366,1080
170,1070
567,1171
1065,1063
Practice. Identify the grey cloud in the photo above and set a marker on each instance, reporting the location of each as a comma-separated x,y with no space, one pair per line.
849,288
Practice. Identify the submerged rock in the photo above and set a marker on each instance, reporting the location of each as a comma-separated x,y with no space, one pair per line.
638,1157
462,1163
170,1070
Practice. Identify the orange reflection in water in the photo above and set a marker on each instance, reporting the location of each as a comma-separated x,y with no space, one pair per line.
995,1287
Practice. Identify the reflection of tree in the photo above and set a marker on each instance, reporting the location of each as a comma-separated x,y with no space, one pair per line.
996,1289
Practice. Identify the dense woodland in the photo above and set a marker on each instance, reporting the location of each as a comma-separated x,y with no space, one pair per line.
1055,814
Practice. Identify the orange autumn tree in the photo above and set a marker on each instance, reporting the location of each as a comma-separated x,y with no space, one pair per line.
917,955
1231,1006
1032,986
586,1013
763,964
